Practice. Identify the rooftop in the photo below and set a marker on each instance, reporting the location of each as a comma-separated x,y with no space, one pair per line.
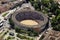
52,35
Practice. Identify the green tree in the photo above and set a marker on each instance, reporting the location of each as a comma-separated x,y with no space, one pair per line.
57,12
53,7
11,23
56,23
36,4
45,2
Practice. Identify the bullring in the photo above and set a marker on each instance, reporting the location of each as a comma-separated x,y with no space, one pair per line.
21,15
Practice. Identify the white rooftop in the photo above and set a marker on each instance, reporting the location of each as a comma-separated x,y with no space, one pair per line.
59,2
27,5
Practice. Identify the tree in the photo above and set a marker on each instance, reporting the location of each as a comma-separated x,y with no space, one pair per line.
53,7
56,23
57,12
11,23
17,29
36,4
45,2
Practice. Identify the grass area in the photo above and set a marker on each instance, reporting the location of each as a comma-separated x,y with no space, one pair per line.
4,14
31,33
10,38
1,32
24,37
2,35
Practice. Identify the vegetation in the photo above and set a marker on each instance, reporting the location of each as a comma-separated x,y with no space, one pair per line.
10,38
11,23
36,4
5,33
56,23
30,33
2,36
4,14
24,37
54,9
49,6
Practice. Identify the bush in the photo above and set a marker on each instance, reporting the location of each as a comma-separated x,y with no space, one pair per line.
22,37
56,23
11,23
17,29
4,14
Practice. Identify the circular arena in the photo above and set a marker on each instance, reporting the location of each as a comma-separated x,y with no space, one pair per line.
29,19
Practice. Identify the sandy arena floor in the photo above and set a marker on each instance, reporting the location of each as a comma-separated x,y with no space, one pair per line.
29,22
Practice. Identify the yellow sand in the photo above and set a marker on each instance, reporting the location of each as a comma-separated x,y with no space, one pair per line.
29,22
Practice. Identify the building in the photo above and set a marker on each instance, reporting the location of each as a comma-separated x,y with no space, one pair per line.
39,17
51,35
26,6
6,5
